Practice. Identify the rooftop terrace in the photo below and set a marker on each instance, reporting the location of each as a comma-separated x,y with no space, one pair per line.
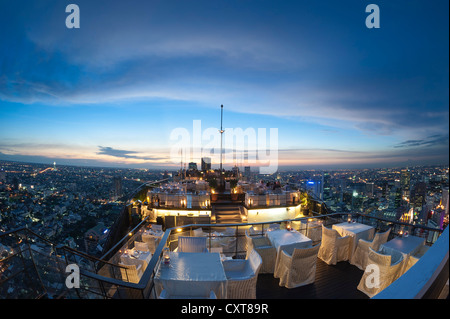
32,267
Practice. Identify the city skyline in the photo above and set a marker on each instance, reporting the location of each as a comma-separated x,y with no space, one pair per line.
111,92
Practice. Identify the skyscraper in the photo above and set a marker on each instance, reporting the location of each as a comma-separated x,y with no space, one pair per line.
445,200
2,177
206,163
405,179
417,199
235,171
117,187
418,195
315,187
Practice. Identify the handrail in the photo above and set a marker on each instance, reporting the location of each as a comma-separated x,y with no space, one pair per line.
24,228
143,282
62,247
306,218
104,256
146,279
135,191
89,257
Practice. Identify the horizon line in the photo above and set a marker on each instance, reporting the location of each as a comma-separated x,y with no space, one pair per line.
283,168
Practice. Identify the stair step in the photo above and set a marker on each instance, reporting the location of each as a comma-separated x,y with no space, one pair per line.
227,212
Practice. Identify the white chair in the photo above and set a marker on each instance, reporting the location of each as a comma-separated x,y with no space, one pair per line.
216,250
242,275
255,230
156,227
274,227
382,270
142,246
312,230
333,248
131,273
166,295
230,231
151,241
297,268
192,244
265,249
361,254
198,232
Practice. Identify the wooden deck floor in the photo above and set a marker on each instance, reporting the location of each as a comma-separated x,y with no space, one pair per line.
332,282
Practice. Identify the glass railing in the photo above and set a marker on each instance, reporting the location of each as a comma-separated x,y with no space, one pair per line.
232,241
32,267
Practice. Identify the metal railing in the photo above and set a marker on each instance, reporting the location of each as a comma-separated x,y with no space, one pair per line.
102,277
306,225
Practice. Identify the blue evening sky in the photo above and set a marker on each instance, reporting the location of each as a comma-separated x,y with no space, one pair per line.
111,92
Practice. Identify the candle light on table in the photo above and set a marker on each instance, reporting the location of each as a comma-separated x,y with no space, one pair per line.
288,225
166,255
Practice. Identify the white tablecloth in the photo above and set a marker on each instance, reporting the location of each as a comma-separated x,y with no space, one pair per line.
356,231
407,246
192,274
287,240
134,257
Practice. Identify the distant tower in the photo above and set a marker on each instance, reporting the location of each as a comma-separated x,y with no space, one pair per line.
445,199
206,164
405,179
315,187
15,183
221,136
221,180
2,176
117,187
418,195
54,166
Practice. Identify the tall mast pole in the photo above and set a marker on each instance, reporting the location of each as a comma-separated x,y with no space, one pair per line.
221,133
221,151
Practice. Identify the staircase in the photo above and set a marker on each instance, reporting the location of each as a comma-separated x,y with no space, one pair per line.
227,208
227,213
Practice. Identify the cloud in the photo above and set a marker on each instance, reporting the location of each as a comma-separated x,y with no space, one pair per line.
433,140
280,61
319,150
126,154
145,51
49,160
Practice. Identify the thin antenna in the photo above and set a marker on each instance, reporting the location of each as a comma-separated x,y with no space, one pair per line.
181,166
221,151
221,133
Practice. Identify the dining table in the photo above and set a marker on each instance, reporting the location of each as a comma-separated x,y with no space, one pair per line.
407,245
288,240
136,257
191,274
356,231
